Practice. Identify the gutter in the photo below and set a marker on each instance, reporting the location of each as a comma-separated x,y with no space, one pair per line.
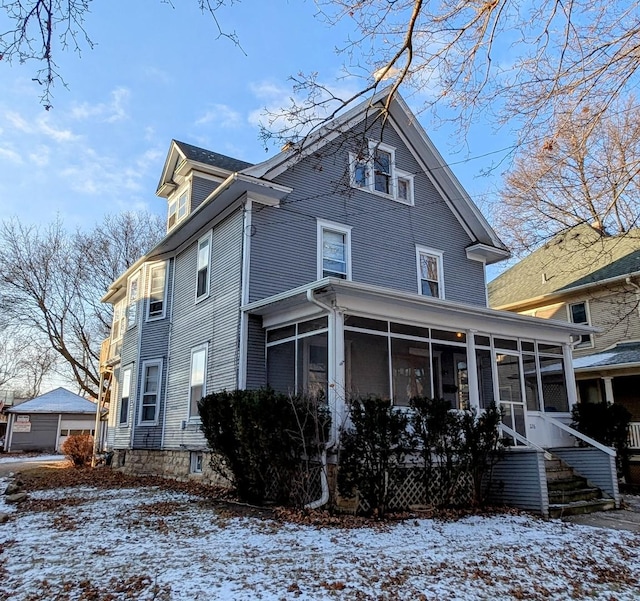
324,482
559,294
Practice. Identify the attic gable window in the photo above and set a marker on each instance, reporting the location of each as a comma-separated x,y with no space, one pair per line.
178,209
375,171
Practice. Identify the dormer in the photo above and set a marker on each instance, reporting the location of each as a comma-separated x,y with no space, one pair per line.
189,176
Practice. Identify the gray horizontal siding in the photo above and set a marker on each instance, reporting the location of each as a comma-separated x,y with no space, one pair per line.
43,435
256,360
594,465
213,321
520,481
200,190
384,232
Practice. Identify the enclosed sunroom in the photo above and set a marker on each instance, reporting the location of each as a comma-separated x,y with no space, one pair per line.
344,339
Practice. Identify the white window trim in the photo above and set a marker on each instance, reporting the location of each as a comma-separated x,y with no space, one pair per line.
207,237
438,254
370,178
119,316
175,201
587,310
323,225
143,378
150,268
194,456
125,423
132,305
202,347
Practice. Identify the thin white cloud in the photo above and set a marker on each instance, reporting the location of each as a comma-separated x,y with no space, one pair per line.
43,125
221,115
109,112
7,154
16,121
55,133
277,115
40,156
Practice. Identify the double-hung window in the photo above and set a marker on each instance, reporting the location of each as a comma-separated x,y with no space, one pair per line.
204,258
430,280
178,209
334,250
197,384
382,162
126,397
150,392
579,313
157,290
375,170
132,308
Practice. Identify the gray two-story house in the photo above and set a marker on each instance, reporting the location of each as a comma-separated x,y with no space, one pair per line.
352,264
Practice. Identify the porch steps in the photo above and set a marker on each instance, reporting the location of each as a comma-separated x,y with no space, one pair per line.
570,493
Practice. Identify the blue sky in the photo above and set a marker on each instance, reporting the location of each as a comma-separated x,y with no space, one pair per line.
158,73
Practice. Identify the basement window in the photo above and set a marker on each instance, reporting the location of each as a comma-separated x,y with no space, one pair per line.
196,458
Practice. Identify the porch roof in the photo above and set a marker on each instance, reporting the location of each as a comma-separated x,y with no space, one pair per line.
622,355
386,303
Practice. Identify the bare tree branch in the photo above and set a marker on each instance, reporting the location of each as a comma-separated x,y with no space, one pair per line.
585,171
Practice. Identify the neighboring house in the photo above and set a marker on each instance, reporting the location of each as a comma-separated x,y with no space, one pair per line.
583,276
44,423
352,265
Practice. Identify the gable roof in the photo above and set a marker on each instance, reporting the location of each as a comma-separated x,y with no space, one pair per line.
579,257
208,157
59,400
182,157
486,244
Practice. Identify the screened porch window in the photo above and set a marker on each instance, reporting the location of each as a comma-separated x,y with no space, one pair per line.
298,359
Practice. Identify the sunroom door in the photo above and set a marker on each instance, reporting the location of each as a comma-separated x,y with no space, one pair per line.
510,395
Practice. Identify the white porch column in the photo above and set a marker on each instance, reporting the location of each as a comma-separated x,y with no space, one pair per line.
570,376
608,389
472,371
336,371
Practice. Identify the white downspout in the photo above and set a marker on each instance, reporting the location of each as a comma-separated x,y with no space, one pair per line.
324,482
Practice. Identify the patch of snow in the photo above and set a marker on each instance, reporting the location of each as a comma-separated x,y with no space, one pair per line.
190,552
592,360
30,458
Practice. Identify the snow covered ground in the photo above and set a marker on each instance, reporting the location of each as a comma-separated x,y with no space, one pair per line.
22,458
146,543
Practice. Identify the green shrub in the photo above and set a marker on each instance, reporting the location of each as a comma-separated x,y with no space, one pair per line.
455,447
264,442
483,448
608,423
78,448
372,449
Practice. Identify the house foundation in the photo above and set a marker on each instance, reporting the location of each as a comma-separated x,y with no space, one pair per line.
183,466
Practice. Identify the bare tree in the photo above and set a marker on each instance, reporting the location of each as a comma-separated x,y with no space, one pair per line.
38,30
581,172
51,282
502,58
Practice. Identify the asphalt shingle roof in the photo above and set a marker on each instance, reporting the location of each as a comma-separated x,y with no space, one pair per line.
623,353
215,159
59,400
574,258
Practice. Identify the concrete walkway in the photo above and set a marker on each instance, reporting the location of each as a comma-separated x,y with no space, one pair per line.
627,518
